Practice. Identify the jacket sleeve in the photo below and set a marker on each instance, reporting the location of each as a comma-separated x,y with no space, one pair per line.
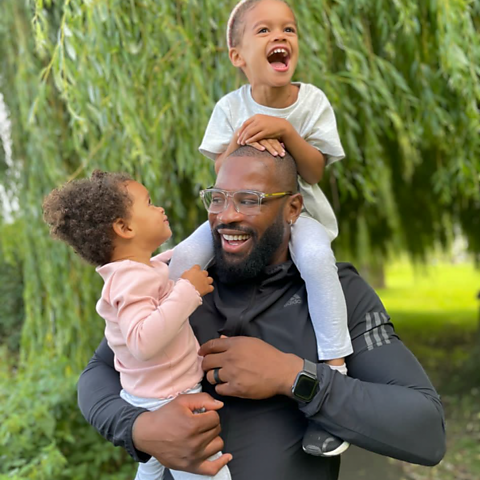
100,402
386,404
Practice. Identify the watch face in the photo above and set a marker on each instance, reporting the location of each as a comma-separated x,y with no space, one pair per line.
305,388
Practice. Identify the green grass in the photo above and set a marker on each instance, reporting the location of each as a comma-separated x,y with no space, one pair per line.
436,313
442,295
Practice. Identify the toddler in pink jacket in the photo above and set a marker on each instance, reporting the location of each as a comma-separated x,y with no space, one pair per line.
110,221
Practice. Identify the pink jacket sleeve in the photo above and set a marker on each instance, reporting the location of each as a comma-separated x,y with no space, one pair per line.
149,323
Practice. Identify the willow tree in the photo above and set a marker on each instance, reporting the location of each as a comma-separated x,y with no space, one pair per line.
130,86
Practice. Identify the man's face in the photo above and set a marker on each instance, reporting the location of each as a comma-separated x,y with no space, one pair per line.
244,244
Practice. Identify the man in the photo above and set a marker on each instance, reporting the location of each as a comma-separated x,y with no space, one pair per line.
262,370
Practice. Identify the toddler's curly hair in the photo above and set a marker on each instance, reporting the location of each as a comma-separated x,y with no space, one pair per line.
82,212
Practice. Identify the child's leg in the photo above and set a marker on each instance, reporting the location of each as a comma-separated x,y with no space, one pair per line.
313,256
195,249
153,469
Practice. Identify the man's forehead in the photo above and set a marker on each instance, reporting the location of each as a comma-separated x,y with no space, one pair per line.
250,173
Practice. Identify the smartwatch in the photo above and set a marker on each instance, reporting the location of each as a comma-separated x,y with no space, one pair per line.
306,384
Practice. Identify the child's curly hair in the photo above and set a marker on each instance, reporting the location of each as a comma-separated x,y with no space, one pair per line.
82,212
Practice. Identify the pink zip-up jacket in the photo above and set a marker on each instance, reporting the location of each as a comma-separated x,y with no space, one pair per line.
147,327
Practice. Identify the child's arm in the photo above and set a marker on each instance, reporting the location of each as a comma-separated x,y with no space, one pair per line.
310,161
146,325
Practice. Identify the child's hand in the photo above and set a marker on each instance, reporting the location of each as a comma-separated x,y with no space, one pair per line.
199,279
260,127
272,145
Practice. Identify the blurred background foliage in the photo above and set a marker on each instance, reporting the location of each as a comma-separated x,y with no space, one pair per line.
130,85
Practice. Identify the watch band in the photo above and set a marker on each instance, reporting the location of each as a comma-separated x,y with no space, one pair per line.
310,367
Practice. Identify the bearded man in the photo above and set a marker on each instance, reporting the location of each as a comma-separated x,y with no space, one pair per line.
256,339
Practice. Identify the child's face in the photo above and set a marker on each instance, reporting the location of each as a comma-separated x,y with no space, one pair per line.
267,28
149,222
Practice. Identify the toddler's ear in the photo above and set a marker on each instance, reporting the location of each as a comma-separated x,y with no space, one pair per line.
236,58
122,229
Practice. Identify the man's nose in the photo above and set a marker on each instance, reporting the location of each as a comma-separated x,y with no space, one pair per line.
230,214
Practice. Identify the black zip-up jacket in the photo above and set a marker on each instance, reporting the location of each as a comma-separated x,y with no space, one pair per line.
386,404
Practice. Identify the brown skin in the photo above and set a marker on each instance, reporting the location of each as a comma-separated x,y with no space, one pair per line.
238,359
181,439
310,161
178,438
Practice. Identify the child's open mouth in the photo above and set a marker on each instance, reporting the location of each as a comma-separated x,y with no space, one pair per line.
279,58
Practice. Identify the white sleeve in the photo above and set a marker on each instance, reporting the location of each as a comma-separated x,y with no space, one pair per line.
323,133
219,131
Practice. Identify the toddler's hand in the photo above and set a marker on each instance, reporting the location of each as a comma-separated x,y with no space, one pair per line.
199,279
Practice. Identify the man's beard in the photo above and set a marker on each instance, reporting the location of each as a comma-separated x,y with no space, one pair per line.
231,269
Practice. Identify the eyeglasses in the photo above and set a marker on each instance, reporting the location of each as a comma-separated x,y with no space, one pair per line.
246,202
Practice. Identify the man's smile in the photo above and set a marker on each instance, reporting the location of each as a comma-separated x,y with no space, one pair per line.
234,241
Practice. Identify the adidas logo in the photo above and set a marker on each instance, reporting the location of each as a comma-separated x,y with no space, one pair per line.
295,300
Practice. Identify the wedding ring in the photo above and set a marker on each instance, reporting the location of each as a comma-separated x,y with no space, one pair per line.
216,376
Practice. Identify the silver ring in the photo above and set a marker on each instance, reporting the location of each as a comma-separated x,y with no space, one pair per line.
216,376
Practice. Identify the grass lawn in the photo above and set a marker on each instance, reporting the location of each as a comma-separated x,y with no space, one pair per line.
435,311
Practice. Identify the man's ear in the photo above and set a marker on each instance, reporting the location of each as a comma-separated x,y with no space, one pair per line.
122,228
236,57
294,207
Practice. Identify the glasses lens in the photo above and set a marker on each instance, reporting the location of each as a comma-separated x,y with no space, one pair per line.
247,203
214,201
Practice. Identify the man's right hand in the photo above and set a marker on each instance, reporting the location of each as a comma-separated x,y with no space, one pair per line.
181,439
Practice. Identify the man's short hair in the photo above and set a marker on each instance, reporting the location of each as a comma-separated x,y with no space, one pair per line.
285,167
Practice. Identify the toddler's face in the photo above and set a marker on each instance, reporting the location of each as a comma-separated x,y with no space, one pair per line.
148,221
268,51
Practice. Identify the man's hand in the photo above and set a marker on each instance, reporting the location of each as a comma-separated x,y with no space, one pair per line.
249,367
260,127
181,439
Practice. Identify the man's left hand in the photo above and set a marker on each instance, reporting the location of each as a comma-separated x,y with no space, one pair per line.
249,367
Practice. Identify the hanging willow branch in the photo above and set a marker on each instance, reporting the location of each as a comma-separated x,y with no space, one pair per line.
130,86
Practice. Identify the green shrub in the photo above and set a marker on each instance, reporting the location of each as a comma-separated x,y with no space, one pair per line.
12,308
42,433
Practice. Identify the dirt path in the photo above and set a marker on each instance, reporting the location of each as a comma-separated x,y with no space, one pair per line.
358,464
